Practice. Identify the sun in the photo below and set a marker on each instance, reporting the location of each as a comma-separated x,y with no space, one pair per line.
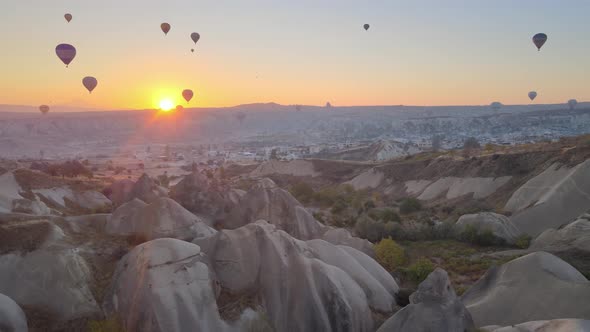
166,105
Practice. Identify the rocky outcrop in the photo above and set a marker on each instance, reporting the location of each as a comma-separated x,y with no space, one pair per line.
145,189
370,179
204,196
341,236
433,307
304,286
552,199
574,236
556,325
65,199
12,317
500,225
11,200
54,279
164,286
119,192
162,218
510,294
454,187
266,201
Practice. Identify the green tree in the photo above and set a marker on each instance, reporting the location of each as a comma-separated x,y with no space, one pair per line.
389,254
410,205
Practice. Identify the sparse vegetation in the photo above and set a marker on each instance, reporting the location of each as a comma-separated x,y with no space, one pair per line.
419,270
303,192
112,324
523,241
480,237
410,205
390,254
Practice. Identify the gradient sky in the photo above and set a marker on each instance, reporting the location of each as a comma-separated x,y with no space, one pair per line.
419,52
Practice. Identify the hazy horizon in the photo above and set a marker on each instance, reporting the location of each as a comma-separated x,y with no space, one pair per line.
453,54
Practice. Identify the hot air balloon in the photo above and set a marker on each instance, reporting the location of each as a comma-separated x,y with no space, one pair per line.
328,105
44,109
66,53
188,95
572,104
298,108
68,17
195,37
192,50
539,40
90,83
165,27
179,108
496,105
366,26
532,95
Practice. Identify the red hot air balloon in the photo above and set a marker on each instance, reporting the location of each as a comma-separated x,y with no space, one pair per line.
68,17
165,28
89,83
179,108
188,95
66,53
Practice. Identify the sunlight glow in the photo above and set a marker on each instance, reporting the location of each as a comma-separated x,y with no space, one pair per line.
166,105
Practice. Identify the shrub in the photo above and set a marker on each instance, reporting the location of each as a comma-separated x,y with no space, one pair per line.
390,254
486,237
338,207
107,325
389,215
369,229
419,270
319,216
523,241
302,191
410,205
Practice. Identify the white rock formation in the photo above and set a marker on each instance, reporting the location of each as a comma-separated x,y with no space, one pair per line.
433,307
538,286
162,218
500,225
556,325
268,202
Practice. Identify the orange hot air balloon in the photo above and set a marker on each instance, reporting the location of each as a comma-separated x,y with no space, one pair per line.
187,95
44,109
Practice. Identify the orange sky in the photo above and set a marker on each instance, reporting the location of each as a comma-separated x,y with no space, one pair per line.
294,53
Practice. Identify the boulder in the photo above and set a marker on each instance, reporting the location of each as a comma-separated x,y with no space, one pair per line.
433,307
28,235
500,225
53,279
162,218
556,325
164,286
537,286
12,317
266,201
304,286
341,236
574,236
